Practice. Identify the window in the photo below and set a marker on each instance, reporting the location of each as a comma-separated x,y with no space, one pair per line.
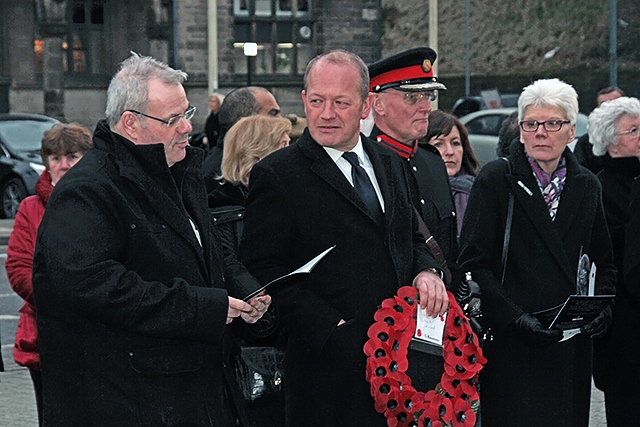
83,50
283,30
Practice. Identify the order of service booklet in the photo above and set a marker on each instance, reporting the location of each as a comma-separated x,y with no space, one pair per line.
580,309
305,269
576,311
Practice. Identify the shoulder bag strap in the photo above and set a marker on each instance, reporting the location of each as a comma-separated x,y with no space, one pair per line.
507,229
434,247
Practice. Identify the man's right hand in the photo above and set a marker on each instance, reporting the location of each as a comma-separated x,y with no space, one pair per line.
237,307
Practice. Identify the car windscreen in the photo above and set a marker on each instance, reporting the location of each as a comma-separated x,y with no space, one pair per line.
24,135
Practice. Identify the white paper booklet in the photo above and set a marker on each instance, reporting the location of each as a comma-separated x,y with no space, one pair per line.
305,269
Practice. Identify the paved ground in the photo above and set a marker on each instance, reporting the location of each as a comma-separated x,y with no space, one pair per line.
17,402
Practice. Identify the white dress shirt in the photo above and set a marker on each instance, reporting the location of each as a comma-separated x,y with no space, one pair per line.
365,162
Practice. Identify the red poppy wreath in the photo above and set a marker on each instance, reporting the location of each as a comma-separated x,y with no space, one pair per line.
455,401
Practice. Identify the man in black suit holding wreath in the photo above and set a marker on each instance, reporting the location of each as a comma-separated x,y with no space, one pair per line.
335,187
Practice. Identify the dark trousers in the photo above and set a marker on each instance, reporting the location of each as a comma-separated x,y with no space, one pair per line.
36,377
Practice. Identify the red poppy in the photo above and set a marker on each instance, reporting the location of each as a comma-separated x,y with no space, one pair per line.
401,411
452,386
463,414
429,415
380,331
469,388
394,319
441,404
398,304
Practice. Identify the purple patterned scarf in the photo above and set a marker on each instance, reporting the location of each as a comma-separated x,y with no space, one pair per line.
550,185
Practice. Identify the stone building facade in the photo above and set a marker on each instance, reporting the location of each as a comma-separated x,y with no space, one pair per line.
57,56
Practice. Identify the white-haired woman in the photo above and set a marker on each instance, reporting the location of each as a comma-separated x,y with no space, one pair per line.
614,131
532,378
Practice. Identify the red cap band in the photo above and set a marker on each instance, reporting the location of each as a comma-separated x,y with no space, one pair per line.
407,73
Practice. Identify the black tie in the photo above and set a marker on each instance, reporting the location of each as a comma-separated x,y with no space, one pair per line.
363,186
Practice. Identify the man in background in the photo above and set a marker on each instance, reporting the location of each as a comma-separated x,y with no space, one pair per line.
239,103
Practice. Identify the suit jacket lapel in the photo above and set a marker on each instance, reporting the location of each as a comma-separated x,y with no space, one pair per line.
325,168
382,166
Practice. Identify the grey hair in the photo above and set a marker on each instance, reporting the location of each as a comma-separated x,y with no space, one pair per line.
603,122
343,57
129,88
550,93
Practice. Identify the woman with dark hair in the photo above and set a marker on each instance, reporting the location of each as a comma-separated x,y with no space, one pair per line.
62,147
450,137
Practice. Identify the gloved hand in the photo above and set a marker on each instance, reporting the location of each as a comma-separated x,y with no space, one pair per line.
598,326
533,333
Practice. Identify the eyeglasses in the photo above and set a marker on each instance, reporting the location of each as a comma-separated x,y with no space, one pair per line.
171,121
549,125
633,132
413,98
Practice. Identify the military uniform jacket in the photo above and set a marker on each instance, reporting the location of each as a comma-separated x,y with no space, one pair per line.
435,199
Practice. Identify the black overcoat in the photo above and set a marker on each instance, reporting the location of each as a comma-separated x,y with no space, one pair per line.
617,354
524,385
131,308
300,204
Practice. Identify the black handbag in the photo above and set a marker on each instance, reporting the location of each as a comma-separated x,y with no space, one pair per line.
259,372
257,369
469,296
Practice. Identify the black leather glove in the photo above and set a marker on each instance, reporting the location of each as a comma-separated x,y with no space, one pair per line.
533,333
598,326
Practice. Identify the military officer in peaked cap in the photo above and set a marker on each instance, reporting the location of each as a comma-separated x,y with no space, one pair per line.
403,87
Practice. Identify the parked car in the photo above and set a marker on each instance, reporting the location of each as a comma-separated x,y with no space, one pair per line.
471,104
20,161
484,127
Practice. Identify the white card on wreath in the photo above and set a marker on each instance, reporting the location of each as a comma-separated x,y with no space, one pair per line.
592,280
430,329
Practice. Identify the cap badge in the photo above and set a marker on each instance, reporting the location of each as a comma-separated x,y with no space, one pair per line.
426,65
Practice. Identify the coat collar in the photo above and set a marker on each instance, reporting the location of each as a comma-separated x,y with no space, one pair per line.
403,150
323,166
145,166
44,187
527,193
628,167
